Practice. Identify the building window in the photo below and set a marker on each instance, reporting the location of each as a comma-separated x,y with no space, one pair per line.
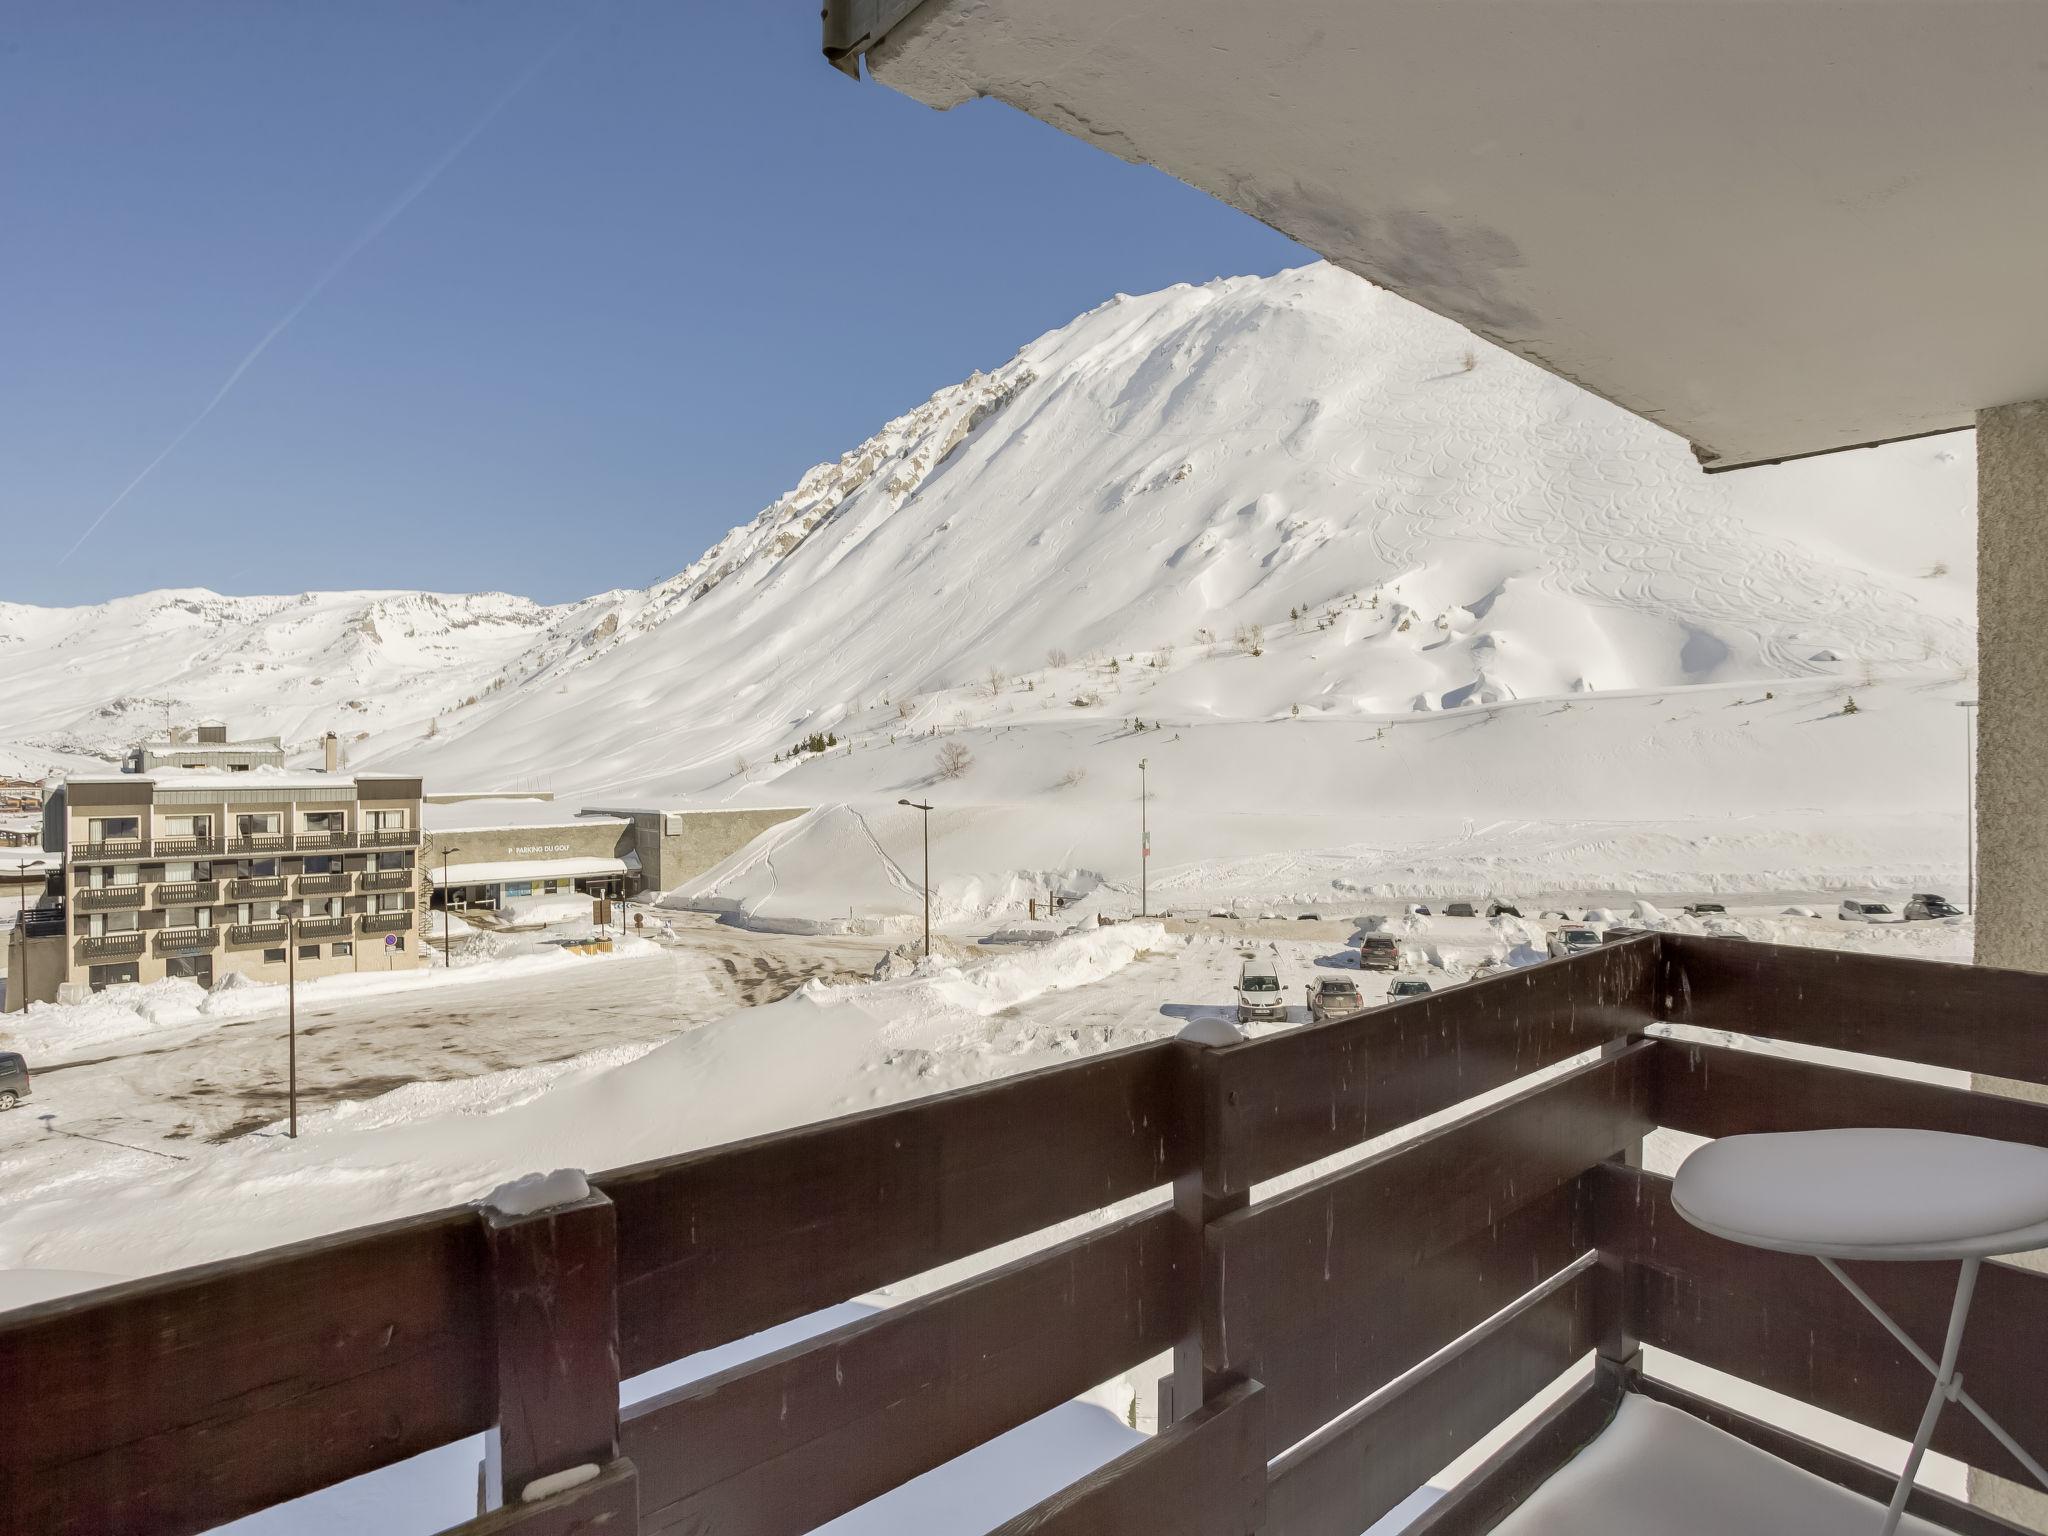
324,864
257,869
259,824
397,942
105,829
341,951
273,957
394,861
188,826
387,821
100,977
391,901
326,821
309,951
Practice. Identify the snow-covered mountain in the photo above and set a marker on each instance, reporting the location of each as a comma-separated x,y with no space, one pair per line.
1393,516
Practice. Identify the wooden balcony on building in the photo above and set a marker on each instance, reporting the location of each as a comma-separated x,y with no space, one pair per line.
106,898
392,837
260,842
385,922
186,847
249,935
323,885
315,842
1379,1319
385,880
112,850
326,927
168,939
187,893
112,946
256,888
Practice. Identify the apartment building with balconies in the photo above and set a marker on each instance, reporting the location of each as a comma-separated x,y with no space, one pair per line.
198,873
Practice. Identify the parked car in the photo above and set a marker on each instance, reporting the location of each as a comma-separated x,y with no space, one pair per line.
1502,909
1333,997
1926,906
1705,909
1407,986
13,1079
1573,939
1258,992
1417,909
1379,952
1308,917
1459,909
1866,912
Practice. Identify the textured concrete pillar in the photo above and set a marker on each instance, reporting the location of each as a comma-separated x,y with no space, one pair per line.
2012,664
2012,752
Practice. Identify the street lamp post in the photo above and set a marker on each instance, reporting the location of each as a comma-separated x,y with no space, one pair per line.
1144,842
291,911
447,894
920,806
1969,803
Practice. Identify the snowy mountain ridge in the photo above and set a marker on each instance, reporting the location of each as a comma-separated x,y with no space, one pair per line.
1256,498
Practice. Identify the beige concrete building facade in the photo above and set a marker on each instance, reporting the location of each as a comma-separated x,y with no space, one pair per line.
197,874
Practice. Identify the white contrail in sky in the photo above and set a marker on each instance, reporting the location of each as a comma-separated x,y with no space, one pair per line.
335,268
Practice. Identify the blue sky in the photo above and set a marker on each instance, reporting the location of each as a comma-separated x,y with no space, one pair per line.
683,263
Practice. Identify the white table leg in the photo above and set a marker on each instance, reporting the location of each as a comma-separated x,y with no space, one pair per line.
1944,1376
1977,1410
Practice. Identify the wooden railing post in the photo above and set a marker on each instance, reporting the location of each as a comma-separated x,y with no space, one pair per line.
554,1301
1200,1197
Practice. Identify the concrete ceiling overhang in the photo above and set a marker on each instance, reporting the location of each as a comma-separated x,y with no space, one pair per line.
1777,227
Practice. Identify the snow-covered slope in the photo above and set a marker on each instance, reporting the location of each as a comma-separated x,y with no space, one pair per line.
1258,500
79,684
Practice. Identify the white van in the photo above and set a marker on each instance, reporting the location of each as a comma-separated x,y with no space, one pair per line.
1258,992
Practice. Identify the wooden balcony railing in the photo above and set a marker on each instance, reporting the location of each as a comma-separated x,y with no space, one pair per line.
249,935
186,847
185,938
392,837
112,849
260,842
187,893
385,880
323,885
256,888
111,946
326,927
106,898
1378,1320
385,922
314,842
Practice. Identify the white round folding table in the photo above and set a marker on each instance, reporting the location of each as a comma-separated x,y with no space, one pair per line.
1882,1195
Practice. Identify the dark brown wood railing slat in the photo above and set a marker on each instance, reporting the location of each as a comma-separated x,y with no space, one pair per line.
785,1443
1782,1321
1971,1018
1353,1471
1204,1477
716,1245
1517,1469
1714,1090
179,1403
1291,1098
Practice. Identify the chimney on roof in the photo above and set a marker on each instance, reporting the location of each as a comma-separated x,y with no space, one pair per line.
330,753
213,735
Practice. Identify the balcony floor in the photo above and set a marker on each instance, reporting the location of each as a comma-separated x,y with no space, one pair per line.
1659,1469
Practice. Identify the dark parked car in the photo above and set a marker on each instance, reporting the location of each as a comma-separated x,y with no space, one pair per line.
1407,986
1925,906
1502,909
1379,952
1459,909
13,1079
1705,909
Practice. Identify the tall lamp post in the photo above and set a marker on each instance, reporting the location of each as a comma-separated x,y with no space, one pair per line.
447,953
1144,841
1969,803
916,805
291,911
